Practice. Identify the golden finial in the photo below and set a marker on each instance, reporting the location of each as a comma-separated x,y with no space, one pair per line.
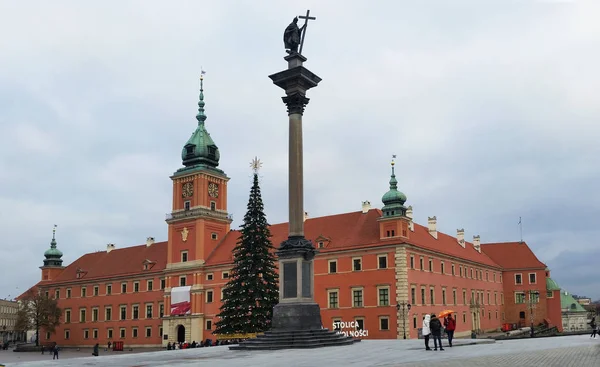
393,158
202,72
255,164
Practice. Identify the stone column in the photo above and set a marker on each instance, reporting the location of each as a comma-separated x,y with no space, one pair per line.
297,309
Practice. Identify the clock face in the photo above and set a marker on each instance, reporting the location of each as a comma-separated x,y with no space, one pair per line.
213,190
187,190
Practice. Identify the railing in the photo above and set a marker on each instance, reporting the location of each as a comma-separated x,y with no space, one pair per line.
197,212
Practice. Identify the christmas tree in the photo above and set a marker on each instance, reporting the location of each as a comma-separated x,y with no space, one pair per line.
252,290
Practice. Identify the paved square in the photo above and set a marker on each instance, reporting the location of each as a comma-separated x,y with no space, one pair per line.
580,351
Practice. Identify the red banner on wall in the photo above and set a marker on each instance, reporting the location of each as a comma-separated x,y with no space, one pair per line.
180,301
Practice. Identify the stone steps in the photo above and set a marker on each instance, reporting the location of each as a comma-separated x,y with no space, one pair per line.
292,339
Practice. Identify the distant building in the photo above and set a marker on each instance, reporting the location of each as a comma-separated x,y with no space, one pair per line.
8,319
371,263
574,316
584,301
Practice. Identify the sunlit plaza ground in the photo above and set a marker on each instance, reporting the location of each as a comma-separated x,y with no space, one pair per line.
565,351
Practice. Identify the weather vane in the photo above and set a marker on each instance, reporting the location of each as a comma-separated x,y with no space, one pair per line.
255,164
54,231
393,159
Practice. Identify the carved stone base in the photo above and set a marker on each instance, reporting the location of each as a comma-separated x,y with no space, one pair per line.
296,316
296,246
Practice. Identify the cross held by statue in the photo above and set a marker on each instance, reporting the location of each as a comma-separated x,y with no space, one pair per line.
306,18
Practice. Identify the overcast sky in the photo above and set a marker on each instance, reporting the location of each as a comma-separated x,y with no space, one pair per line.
491,106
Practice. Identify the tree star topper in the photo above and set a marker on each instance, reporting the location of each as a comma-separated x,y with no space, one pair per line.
255,164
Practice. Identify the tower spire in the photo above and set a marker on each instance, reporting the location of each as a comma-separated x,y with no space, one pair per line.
393,181
200,151
53,242
53,256
393,200
201,116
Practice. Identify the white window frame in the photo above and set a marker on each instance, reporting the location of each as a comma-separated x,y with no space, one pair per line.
329,262
329,291
359,258
386,261
387,287
521,275
362,296
529,278
388,323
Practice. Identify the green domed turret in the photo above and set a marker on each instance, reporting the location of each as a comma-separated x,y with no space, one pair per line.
200,150
53,255
393,200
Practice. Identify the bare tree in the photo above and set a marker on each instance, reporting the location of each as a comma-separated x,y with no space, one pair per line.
37,311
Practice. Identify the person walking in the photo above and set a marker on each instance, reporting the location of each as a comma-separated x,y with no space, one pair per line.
96,351
594,329
436,330
55,352
450,325
426,331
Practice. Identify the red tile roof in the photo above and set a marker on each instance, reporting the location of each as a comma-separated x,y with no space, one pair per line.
355,230
118,262
339,232
448,245
512,255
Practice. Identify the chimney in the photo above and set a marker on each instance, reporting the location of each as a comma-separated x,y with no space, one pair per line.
110,247
305,216
409,215
460,237
366,206
432,224
477,243
149,241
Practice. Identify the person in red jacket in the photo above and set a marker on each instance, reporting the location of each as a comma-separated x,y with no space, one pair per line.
450,325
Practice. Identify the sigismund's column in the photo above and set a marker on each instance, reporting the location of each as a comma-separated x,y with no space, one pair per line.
297,309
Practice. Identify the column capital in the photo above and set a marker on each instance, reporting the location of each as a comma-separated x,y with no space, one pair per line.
295,103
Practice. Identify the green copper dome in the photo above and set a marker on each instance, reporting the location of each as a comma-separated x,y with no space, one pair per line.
200,149
53,255
393,200
551,285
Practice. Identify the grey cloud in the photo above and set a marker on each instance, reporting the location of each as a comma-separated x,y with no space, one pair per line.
490,107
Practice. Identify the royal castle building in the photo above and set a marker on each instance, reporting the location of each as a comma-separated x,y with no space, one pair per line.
372,264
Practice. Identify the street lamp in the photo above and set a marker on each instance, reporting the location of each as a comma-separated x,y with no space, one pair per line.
533,299
405,306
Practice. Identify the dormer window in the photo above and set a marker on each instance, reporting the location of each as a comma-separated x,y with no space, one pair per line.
321,244
213,206
148,264
187,205
212,151
189,150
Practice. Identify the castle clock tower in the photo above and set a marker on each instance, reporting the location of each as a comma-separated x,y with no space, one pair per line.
199,218
197,223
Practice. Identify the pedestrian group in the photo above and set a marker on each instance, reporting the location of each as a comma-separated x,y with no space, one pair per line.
432,326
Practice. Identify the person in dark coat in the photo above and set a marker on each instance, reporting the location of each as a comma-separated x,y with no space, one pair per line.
55,350
436,331
592,324
96,351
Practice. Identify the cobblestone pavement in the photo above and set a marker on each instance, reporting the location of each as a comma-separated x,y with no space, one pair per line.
580,351
558,357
